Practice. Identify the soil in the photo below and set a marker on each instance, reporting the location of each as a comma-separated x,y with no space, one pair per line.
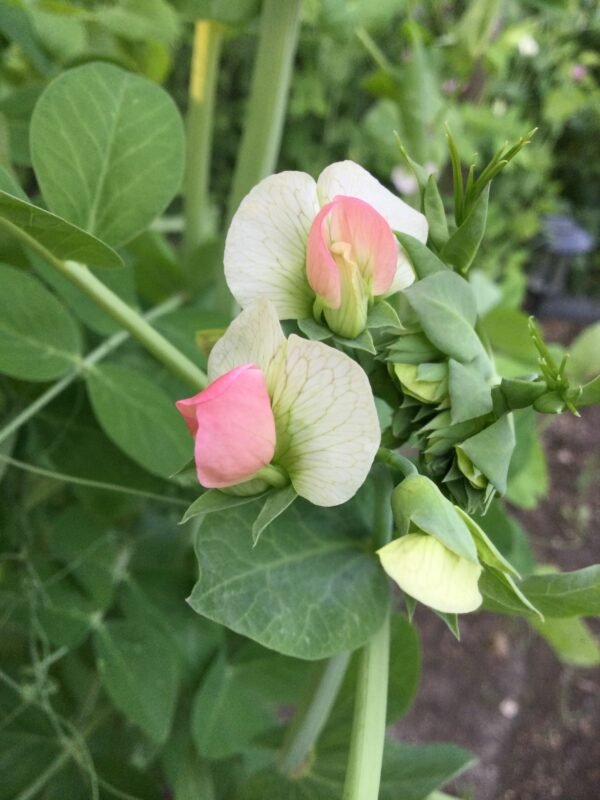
501,692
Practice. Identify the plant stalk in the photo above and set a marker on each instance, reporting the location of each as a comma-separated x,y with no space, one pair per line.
129,318
100,352
204,71
257,157
365,760
312,714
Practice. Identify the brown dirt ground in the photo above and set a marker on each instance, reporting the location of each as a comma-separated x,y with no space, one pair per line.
501,692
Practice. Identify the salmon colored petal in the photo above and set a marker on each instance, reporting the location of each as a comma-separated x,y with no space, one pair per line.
322,271
235,428
350,179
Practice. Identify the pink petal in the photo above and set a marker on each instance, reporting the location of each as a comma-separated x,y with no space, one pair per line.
373,245
373,242
233,426
322,271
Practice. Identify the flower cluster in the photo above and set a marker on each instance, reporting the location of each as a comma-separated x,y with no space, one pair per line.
345,260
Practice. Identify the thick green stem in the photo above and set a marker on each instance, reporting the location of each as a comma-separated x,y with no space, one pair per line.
312,714
204,70
131,320
265,115
363,775
257,157
92,358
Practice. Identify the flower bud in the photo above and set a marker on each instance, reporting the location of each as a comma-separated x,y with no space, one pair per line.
351,258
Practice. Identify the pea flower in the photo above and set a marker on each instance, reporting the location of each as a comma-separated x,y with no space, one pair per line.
321,247
296,405
434,560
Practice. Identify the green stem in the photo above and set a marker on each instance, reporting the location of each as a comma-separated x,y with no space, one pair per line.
257,157
204,71
92,358
265,114
131,320
312,714
363,775
396,461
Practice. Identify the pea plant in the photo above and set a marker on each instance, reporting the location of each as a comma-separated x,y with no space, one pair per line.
231,467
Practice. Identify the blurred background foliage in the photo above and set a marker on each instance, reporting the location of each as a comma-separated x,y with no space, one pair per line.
492,70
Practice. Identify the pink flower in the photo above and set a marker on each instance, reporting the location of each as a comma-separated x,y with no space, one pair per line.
233,426
350,241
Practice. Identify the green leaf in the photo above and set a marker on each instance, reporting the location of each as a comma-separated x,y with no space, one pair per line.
572,641
275,504
140,672
382,315
435,213
310,590
590,394
130,19
239,699
584,360
314,330
54,234
215,500
491,450
566,594
411,772
445,306
107,149
461,248
470,392
423,260
138,417
40,340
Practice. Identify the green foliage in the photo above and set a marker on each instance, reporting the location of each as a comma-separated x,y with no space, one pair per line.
107,149
40,340
308,589
139,418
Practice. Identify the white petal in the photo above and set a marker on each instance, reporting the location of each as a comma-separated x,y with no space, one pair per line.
348,178
327,426
265,249
432,574
253,337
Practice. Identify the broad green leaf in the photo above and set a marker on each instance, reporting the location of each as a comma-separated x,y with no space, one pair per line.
470,392
433,206
138,417
140,672
16,25
309,589
40,340
239,699
446,309
423,260
275,504
572,641
461,248
410,772
566,594
490,451
54,234
530,483
108,150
